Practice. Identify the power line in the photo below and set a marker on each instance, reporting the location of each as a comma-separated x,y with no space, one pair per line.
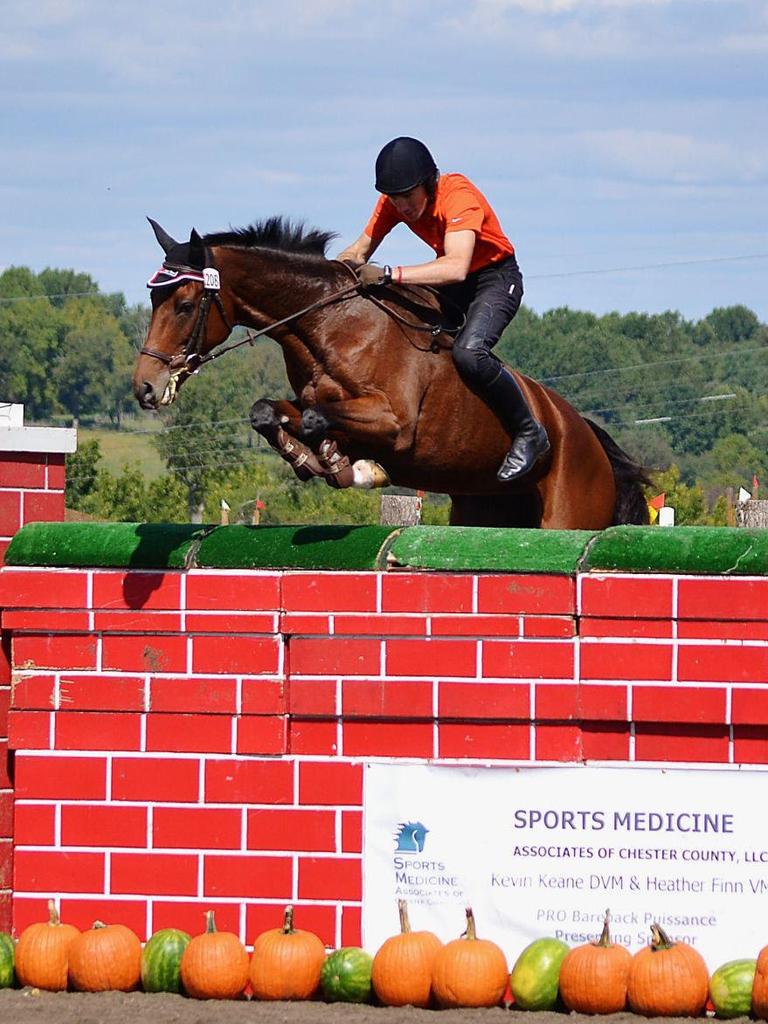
650,266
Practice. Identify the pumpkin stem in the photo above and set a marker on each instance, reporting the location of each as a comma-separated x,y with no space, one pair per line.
405,924
53,914
288,921
210,924
98,924
659,938
605,938
471,932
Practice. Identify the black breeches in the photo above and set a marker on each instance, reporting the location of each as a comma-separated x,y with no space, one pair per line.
489,298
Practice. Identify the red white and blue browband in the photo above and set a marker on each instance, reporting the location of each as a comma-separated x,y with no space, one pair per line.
175,275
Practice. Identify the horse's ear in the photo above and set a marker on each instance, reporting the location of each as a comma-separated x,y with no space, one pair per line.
165,240
196,250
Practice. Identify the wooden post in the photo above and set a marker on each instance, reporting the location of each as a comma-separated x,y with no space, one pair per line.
400,510
753,513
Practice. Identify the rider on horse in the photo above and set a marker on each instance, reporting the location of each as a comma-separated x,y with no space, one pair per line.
475,268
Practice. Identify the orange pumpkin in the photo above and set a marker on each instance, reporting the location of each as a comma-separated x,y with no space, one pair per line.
42,952
402,968
286,962
667,979
759,986
593,977
469,971
215,964
106,958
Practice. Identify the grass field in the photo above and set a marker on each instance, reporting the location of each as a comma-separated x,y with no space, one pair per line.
119,447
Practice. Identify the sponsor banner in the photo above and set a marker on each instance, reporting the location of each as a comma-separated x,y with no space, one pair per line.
544,851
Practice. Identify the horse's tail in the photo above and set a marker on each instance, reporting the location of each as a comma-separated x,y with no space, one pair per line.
631,507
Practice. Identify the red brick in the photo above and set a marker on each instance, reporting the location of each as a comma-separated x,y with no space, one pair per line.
312,736
191,916
60,778
94,825
713,663
329,592
750,744
749,707
484,739
621,628
388,739
332,657
43,506
193,694
605,741
101,693
28,910
352,831
92,730
527,659
4,545
648,597
264,696
483,700
34,824
58,871
47,621
554,626
5,659
334,784
22,469
603,703
83,912
293,624
558,743
134,589
694,630
156,778
5,766
386,698
337,878
137,622
431,657
29,730
10,512
292,830
380,625
156,874
69,651
57,471
207,828
5,706
475,625
6,911
232,622
144,653
318,918
680,742
581,702
262,734
241,592
722,598
6,864
351,926
626,661
248,876
6,813
33,692
192,734
42,588
529,595
312,697
678,704
426,592
239,654
249,782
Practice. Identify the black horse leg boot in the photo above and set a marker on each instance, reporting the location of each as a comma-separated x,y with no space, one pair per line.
530,442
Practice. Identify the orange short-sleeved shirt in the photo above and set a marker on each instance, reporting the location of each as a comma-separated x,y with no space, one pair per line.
459,206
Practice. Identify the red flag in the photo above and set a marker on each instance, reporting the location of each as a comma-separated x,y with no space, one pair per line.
260,505
755,481
658,501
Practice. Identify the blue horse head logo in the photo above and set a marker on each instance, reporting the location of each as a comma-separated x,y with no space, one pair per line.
411,836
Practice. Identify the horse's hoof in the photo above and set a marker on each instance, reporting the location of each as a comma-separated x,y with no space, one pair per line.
368,474
262,416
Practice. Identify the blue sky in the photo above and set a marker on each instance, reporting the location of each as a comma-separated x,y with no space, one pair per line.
611,136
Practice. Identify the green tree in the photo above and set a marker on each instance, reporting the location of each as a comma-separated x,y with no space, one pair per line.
82,473
29,343
129,498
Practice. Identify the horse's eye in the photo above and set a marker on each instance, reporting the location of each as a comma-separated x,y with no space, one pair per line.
185,308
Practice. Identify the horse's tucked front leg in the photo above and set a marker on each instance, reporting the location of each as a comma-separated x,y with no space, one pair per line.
268,419
365,419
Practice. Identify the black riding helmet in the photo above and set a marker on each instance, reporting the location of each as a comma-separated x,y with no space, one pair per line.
403,164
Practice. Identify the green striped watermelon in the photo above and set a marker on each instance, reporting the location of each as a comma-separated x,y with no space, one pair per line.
730,988
160,960
346,975
535,978
6,960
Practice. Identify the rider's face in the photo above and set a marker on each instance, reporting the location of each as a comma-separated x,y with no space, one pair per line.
411,204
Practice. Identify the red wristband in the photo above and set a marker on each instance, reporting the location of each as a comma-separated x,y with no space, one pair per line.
399,275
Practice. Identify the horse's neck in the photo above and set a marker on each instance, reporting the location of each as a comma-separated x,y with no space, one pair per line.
267,287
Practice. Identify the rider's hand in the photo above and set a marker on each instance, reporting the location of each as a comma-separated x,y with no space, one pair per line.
369,274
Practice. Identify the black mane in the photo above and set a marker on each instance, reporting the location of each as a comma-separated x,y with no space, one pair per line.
276,233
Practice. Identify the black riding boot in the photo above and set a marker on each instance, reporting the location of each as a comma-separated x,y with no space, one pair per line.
530,442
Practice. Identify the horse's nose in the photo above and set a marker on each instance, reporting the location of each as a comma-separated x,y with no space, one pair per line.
146,395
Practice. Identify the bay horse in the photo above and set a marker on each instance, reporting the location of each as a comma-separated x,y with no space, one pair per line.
377,399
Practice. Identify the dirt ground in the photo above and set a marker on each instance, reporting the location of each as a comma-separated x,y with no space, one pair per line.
30,1006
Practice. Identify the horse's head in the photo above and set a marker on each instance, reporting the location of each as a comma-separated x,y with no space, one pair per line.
184,290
